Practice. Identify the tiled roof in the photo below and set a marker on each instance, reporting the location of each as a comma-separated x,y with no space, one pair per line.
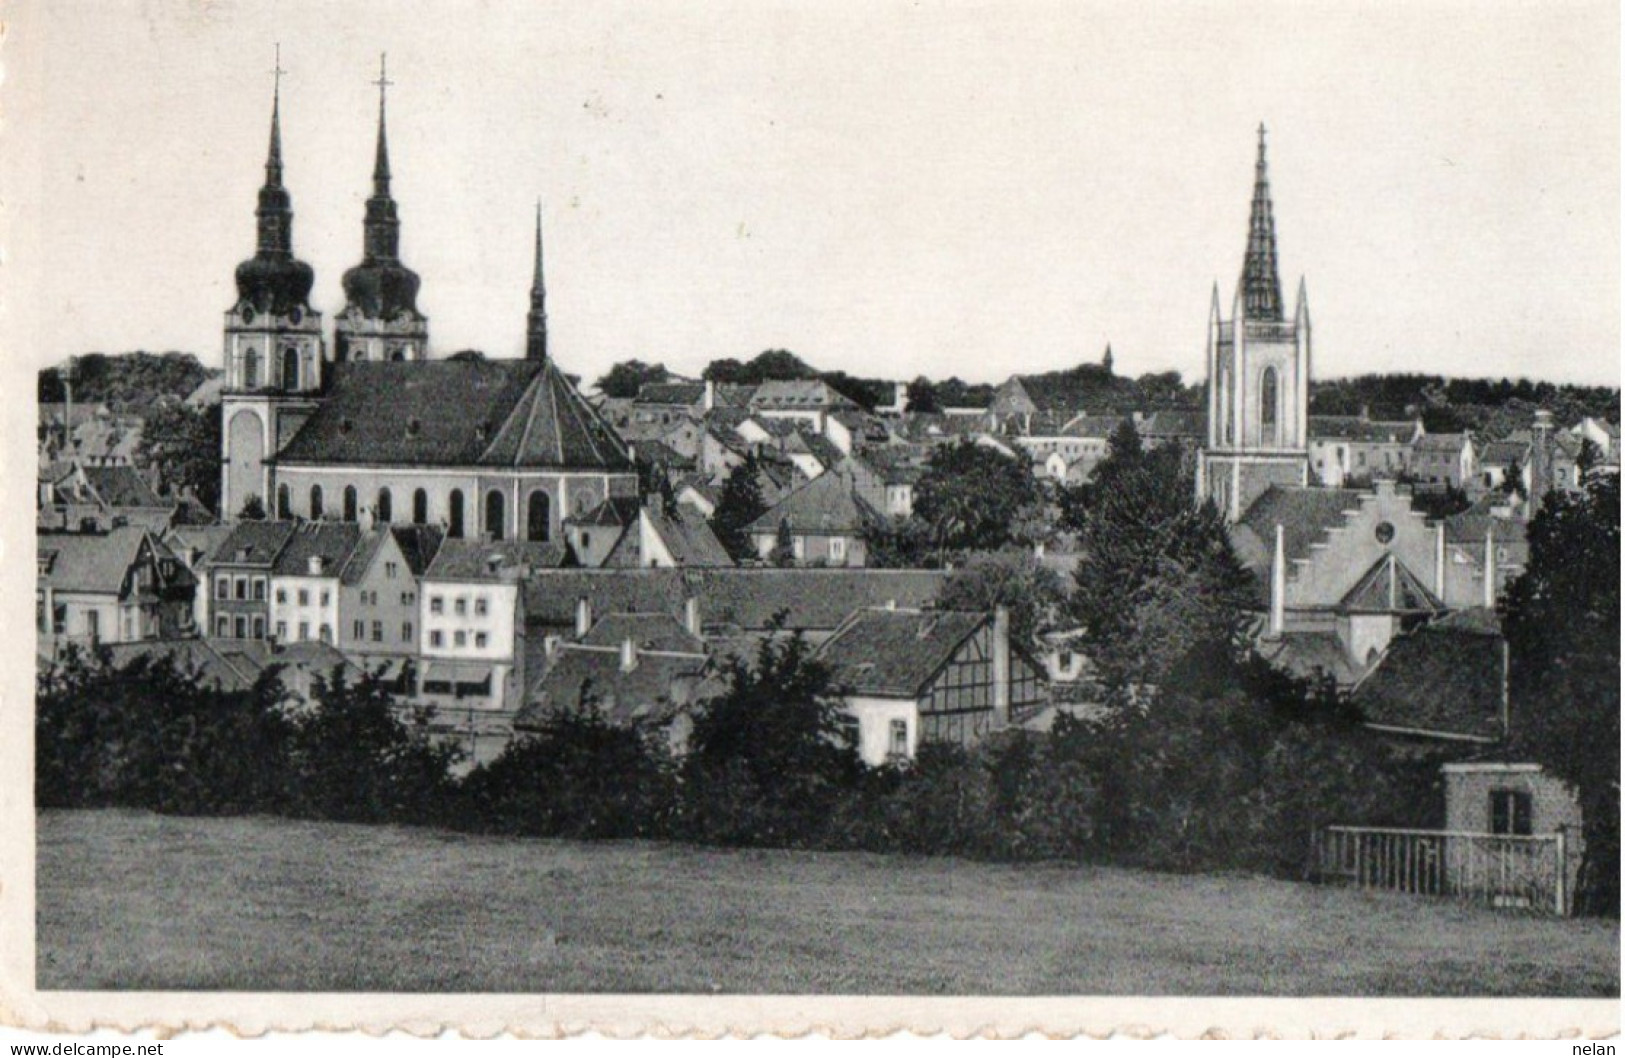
1445,678
90,562
1174,423
659,453
825,505
656,689
1441,442
1471,526
1355,428
823,450
1308,655
1097,426
814,599
417,543
509,413
254,543
1390,587
1504,453
650,631
688,536
492,560
797,393
205,539
331,542
122,487
616,512
895,653
1305,514
194,657
683,393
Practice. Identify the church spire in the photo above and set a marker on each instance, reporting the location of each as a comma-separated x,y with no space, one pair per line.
536,321
1260,282
383,226
275,212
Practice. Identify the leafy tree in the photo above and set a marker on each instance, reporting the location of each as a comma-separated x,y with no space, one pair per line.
627,377
125,379
183,444
1563,635
771,758
784,545
1158,580
253,509
1015,579
922,397
970,494
739,505
470,356
773,364
866,393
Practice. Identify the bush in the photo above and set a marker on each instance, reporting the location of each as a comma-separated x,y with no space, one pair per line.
578,777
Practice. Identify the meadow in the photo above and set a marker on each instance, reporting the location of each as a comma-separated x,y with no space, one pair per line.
132,900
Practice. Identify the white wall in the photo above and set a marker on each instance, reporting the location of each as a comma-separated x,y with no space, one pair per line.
874,717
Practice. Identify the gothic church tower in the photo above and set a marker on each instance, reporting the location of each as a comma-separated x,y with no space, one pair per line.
1257,376
273,344
381,320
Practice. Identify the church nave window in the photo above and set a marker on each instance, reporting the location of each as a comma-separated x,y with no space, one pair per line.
454,513
538,516
290,367
420,507
315,503
386,506
495,514
349,503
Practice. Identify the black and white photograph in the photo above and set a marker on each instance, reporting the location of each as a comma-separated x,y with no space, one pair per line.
714,515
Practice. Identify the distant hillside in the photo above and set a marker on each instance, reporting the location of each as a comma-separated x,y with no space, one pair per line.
1490,408
126,379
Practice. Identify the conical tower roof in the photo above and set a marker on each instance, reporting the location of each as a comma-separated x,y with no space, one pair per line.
273,280
380,287
1260,279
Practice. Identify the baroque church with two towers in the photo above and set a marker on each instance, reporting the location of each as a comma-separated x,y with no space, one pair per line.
371,428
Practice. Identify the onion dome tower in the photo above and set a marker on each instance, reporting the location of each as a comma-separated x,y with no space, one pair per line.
381,320
273,339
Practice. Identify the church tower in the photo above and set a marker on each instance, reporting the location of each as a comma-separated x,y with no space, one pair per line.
381,320
273,343
1257,375
536,319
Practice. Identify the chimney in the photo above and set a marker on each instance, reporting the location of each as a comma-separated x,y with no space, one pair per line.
1278,583
1490,573
1438,560
691,612
366,519
1540,460
1001,667
315,565
629,655
710,400
583,616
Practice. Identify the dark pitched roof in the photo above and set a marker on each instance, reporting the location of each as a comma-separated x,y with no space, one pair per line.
1307,655
1390,587
656,689
895,653
510,413
807,393
650,631
330,542
483,560
684,393
1442,442
122,487
1098,426
688,536
1169,422
615,512
254,543
1445,678
1355,428
197,657
418,545
1504,453
1471,526
813,599
1305,514
90,562
825,505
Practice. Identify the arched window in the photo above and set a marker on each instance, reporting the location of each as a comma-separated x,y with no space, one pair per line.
349,503
251,369
420,507
386,506
284,503
290,367
454,514
537,516
397,354
1269,400
315,503
494,514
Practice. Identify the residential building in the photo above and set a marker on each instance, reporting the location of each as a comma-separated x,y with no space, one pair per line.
808,400
238,577
884,478
114,587
1346,450
378,594
658,537
78,498
306,580
909,677
825,522
1444,460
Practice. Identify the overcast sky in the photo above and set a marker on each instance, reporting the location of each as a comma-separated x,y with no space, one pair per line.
890,189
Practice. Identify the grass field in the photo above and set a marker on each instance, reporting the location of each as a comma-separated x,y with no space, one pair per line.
135,901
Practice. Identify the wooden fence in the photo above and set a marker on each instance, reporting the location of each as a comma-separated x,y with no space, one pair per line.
1500,870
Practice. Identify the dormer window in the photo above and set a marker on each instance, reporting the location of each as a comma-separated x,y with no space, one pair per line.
315,565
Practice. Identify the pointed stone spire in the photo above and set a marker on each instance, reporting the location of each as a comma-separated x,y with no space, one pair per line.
275,212
536,321
383,225
381,288
273,280
1260,281
380,163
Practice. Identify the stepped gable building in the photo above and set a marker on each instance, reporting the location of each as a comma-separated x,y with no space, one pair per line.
381,320
502,449
1258,366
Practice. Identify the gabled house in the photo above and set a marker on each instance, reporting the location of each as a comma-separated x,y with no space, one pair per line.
194,545
238,579
1444,460
1345,449
1442,681
115,587
825,522
884,478
306,580
378,594
677,538
78,498
909,677
809,400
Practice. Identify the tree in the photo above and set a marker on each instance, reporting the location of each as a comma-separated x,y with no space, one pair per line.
130,379
1562,629
739,505
770,759
470,356
183,444
1015,579
773,364
627,377
922,397
253,509
784,545
971,494
1158,581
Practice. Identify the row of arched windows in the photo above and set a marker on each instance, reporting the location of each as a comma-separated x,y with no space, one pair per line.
290,368
538,511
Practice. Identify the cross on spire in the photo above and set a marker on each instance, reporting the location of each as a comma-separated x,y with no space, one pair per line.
1260,283
276,74
383,81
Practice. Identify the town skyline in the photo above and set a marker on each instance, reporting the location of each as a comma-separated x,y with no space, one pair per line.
709,196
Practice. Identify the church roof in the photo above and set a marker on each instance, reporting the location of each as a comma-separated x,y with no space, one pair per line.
463,413
1390,587
1304,514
